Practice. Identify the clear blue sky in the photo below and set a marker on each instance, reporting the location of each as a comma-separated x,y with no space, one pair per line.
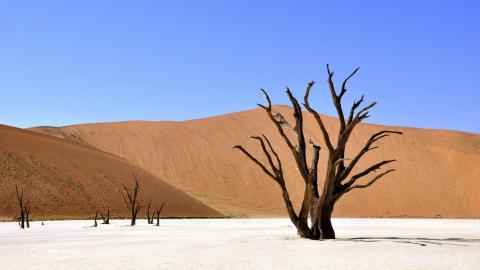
66,62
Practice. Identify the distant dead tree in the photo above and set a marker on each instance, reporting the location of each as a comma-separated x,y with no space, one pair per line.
27,213
97,205
95,224
21,206
105,218
24,207
157,212
318,206
130,197
149,218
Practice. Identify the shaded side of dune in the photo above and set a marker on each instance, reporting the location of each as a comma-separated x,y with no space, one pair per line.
68,180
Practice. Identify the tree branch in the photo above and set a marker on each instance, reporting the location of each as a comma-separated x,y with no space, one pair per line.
277,123
336,100
352,110
345,135
280,170
300,153
376,178
267,154
370,169
317,117
256,162
375,137
344,84
286,198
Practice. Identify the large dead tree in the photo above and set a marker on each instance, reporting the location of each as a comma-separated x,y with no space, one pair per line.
317,205
130,197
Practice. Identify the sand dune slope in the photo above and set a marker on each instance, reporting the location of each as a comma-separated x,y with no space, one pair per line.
67,180
438,171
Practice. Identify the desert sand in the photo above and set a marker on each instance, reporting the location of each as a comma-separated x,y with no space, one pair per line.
66,180
438,172
242,244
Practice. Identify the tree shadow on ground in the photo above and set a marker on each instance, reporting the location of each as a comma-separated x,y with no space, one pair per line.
421,241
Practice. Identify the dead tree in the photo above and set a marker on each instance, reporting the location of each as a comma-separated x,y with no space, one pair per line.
27,213
317,205
95,224
149,219
21,205
130,197
157,212
105,218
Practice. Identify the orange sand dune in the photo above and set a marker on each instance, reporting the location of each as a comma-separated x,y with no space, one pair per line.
67,180
438,171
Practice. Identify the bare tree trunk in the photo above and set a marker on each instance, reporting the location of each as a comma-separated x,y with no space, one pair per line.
95,224
133,220
326,228
158,211
27,214
149,221
21,205
22,222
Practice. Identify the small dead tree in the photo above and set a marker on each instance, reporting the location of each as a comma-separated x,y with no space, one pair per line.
317,206
21,206
105,218
95,224
157,212
27,213
130,197
149,219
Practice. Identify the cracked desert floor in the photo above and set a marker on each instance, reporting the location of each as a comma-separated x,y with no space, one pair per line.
241,244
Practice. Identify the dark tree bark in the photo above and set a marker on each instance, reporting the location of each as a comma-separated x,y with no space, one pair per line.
21,206
157,212
149,219
130,197
27,213
317,206
95,224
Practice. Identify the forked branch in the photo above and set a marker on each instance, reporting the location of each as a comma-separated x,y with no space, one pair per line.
252,158
366,148
369,183
370,169
316,115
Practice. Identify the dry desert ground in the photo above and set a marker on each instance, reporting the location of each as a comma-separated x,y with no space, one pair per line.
242,244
